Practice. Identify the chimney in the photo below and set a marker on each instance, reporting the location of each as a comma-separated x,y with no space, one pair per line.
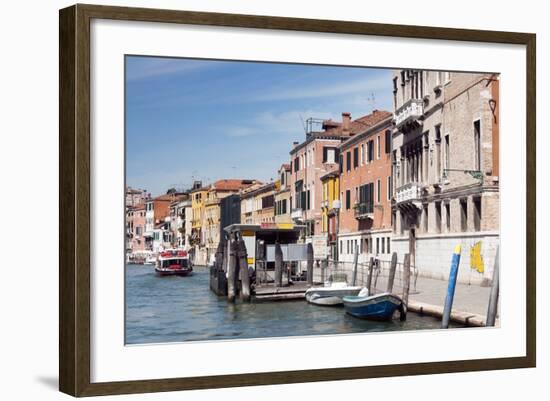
346,120
295,143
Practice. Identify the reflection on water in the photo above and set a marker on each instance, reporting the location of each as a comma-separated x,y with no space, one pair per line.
169,309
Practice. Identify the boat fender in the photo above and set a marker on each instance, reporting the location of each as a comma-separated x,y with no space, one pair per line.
402,312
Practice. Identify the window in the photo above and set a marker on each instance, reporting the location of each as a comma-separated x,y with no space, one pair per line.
389,188
464,214
388,244
341,247
355,157
348,161
437,217
329,154
447,152
347,246
296,164
362,153
477,145
477,214
388,142
348,199
341,159
366,198
371,151
378,147
383,244
378,191
377,246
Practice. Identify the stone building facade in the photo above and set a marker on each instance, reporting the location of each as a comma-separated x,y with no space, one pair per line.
445,169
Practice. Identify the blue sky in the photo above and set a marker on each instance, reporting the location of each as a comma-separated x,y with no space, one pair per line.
201,119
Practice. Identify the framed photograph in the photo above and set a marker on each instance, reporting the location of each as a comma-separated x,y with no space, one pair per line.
250,200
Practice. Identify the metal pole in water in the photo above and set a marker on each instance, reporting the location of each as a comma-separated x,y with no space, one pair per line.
309,249
493,298
278,265
391,274
355,260
455,262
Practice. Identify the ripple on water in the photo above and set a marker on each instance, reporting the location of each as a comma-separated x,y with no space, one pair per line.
168,309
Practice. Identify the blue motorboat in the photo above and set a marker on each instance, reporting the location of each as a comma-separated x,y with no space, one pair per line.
374,307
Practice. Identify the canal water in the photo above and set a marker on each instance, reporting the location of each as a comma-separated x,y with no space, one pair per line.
174,309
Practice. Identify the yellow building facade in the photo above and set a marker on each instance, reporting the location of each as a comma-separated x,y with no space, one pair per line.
331,191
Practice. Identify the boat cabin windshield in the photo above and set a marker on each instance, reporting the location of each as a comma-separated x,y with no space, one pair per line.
174,262
338,278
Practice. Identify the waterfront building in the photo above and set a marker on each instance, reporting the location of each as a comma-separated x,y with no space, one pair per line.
366,191
212,210
446,169
330,209
157,210
197,242
137,229
136,197
282,196
178,210
248,206
311,159
258,204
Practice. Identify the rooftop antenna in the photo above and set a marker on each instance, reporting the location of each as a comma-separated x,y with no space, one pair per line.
303,124
372,100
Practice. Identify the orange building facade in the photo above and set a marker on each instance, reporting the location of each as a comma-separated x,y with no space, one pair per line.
365,219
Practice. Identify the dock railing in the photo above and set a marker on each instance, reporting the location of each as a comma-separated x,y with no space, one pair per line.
380,274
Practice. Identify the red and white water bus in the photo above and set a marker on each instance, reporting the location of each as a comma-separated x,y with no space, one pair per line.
173,262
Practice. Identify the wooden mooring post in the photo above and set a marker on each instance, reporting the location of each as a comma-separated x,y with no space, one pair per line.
278,265
243,270
369,278
355,261
391,273
232,270
406,278
455,262
493,297
324,266
309,250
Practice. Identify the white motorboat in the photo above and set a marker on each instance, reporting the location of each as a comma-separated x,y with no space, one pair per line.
332,292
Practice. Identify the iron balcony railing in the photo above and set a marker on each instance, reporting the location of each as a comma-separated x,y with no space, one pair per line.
363,210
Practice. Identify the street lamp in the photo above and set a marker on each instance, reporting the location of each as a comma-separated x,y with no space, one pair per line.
336,206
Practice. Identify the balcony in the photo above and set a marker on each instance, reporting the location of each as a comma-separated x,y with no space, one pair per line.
408,192
297,214
410,113
363,211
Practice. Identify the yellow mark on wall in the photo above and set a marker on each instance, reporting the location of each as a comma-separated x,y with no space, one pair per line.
250,261
476,260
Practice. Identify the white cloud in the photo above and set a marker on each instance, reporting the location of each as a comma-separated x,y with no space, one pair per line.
323,90
155,67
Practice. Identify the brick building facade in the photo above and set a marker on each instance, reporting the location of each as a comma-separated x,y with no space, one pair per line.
365,191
